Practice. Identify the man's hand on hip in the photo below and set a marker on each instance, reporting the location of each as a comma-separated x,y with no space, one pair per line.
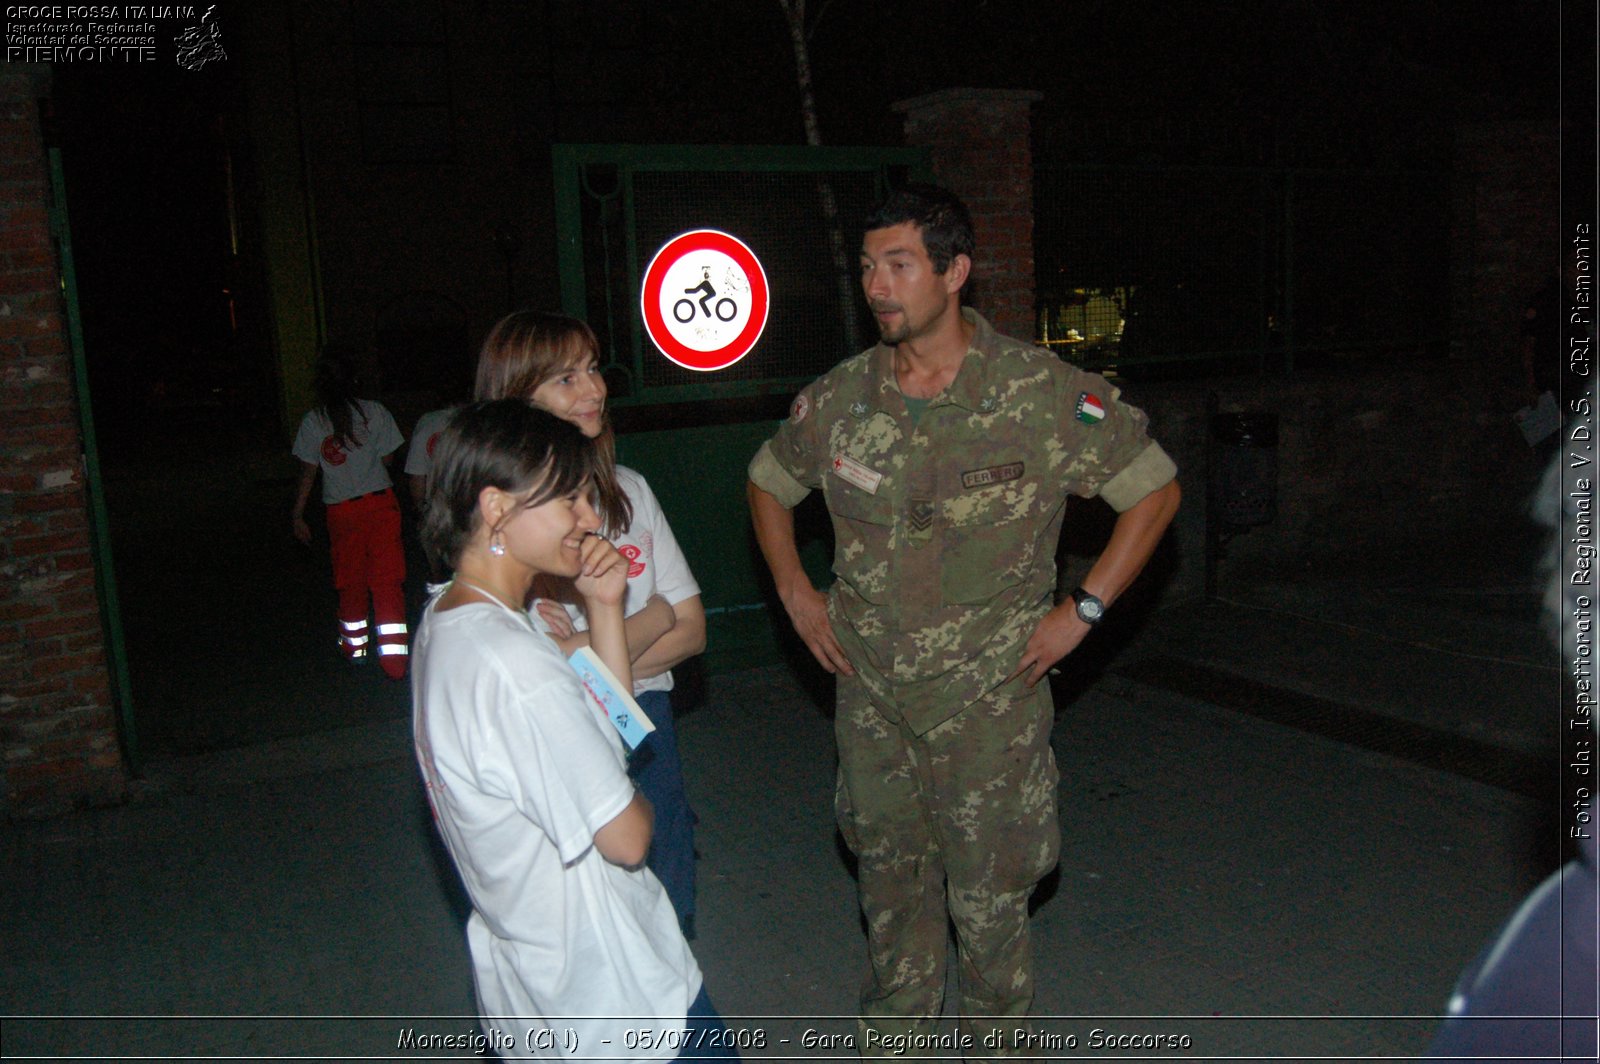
808,611
1058,634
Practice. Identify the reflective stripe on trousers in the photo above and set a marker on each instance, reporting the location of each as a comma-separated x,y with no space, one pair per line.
353,638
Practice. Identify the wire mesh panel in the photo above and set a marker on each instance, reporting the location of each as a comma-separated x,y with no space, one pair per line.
799,212
1139,265
1367,260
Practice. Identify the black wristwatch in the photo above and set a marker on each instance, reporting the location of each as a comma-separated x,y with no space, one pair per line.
1091,610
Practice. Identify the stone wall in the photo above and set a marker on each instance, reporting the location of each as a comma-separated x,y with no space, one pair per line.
58,740
1376,465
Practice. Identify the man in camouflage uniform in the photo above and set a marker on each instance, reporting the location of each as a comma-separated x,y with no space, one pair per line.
946,454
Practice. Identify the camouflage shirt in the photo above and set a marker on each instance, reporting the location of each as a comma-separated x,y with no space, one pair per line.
945,530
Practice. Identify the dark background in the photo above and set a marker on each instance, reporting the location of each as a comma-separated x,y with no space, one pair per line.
160,164
426,127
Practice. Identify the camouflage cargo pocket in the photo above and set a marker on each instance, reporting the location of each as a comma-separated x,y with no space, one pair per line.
989,543
863,525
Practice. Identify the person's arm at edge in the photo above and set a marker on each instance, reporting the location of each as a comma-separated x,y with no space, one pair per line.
685,639
807,607
625,838
1134,537
608,638
644,630
302,495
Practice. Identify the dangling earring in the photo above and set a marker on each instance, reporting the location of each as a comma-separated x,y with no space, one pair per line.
497,545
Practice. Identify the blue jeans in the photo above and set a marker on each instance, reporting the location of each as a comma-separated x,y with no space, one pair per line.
708,1038
658,771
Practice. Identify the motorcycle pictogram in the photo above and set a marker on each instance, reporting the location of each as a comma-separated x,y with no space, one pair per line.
683,309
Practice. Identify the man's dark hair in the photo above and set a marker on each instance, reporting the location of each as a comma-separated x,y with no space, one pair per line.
942,218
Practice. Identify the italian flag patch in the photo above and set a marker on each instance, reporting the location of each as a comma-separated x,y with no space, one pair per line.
1090,410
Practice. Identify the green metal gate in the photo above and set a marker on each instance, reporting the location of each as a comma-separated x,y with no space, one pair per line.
799,209
99,522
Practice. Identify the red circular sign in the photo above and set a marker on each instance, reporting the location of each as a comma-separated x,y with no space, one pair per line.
704,300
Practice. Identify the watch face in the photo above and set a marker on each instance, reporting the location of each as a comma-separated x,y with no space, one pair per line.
1090,609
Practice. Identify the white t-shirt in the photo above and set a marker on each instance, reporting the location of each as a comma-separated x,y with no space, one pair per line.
419,456
349,472
522,769
656,565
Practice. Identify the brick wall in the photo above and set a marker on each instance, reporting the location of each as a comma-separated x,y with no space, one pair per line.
981,143
58,741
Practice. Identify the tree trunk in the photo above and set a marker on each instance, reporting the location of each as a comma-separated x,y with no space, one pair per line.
794,12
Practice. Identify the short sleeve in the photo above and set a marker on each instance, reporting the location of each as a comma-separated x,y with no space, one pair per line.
1113,456
419,456
674,581
417,463
1152,469
384,435
787,466
308,440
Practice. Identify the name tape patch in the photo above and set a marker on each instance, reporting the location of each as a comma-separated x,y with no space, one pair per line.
978,478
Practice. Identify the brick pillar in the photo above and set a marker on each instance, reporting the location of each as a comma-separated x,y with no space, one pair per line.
1506,240
58,734
981,142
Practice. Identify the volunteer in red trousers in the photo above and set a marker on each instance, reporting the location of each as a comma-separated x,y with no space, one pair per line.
352,441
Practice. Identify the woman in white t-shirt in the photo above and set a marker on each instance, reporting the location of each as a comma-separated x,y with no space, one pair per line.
553,361
575,947
351,442
419,456
419,459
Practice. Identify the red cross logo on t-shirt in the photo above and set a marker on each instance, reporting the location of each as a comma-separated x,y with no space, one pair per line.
433,441
635,566
333,451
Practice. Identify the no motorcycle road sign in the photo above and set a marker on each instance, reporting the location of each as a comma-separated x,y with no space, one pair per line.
704,300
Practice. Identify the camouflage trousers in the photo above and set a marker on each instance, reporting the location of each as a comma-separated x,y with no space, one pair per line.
954,826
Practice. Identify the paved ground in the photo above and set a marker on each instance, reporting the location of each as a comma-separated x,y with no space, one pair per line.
1290,818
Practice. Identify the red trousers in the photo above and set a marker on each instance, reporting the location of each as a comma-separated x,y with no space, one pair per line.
368,560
